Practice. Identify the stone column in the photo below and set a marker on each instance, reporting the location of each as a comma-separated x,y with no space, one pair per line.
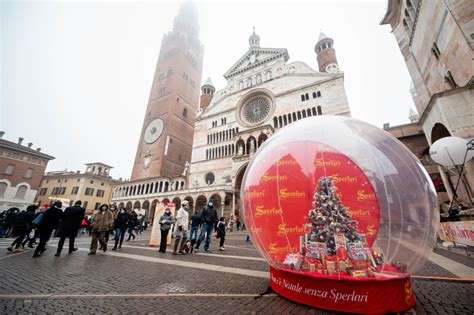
233,203
222,203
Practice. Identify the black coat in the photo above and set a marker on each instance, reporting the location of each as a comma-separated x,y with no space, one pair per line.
50,221
209,215
72,219
121,222
10,219
196,220
21,225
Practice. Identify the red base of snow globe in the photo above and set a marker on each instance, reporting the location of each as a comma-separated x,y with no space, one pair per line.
344,293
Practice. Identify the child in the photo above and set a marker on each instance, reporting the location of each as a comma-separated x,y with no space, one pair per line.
220,229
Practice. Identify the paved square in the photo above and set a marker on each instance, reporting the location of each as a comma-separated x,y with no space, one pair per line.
139,279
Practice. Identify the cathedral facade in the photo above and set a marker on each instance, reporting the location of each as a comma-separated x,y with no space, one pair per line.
264,93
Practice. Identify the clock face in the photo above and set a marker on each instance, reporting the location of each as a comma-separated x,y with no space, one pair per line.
256,110
332,68
153,131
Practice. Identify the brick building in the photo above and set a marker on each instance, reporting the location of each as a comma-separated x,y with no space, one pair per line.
436,39
167,134
93,187
21,169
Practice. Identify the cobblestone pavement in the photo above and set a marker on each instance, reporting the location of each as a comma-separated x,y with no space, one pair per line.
138,279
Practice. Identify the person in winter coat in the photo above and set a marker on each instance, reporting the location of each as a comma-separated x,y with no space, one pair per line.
165,221
10,221
102,221
132,223
220,229
114,211
121,224
209,217
49,222
22,226
29,217
182,222
196,222
71,222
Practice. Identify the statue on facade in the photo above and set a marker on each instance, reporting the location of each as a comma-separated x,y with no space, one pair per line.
186,168
199,112
252,145
240,151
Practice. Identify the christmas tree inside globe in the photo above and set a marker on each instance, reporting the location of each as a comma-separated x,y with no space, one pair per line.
334,197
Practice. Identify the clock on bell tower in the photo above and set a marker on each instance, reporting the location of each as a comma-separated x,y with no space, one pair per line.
167,133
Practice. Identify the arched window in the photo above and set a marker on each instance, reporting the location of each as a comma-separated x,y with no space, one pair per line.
285,121
157,184
294,116
306,96
308,112
182,186
20,192
314,94
318,93
185,112
167,185
302,97
405,25
161,187
411,9
304,113
289,119
313,110
299,115
320,111
280,120
275,122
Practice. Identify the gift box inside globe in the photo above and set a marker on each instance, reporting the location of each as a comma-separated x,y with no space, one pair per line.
332,198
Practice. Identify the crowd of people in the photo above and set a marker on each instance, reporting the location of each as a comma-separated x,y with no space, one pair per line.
42,223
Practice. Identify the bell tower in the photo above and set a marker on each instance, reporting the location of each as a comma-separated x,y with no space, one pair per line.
166,137
326,55
207,92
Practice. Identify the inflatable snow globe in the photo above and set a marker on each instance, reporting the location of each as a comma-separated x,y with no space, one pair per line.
343,212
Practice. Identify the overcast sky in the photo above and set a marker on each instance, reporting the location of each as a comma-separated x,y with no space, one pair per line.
76,76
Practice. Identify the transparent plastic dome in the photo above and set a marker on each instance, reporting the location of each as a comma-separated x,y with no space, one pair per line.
333,196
